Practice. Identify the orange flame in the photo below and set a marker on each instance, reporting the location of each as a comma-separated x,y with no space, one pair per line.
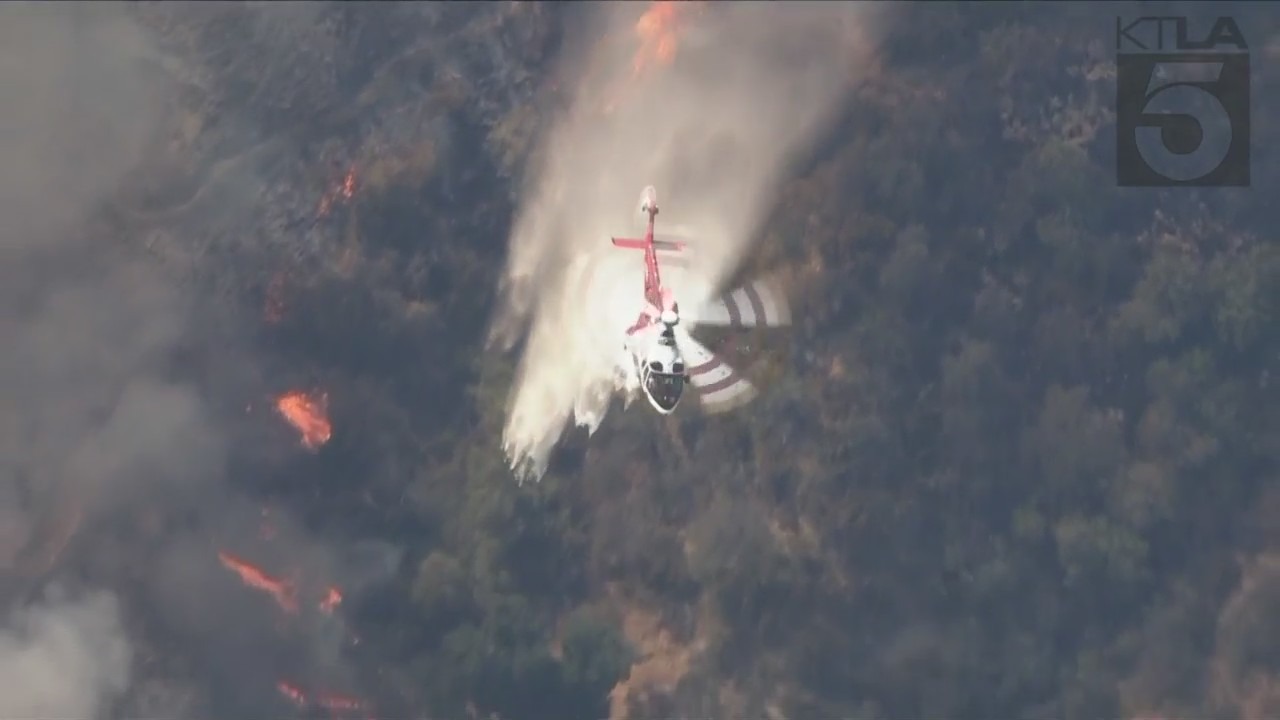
333,702
343,192
309,416
281,591
657,31
293,694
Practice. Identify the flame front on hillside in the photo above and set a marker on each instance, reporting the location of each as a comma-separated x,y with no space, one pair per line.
308,415
282,591
343,192
657,29
657,32
333,702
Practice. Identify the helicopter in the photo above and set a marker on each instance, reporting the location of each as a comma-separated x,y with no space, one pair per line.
665,357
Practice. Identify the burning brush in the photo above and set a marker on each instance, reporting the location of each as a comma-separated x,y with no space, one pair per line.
308,414
333,702
343,193
284,593
657,29
657,32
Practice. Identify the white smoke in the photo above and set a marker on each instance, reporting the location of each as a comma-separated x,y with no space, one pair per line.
83,415
751,83
64,658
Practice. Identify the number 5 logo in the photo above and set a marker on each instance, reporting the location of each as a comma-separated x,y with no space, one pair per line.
1182,119
1179,102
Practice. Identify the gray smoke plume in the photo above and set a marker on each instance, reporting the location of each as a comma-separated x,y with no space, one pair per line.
66,657
84,415
100,421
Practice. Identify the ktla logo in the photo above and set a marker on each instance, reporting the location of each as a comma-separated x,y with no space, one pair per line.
1182,118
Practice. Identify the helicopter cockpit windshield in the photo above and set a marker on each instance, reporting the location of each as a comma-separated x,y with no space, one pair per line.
664,388
664,376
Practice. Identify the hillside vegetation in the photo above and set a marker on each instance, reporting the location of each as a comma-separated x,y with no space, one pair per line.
1017,458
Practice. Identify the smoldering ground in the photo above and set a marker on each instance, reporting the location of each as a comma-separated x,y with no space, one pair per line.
101,415
745,87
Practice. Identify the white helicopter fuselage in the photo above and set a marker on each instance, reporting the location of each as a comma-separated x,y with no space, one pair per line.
658,366
656,355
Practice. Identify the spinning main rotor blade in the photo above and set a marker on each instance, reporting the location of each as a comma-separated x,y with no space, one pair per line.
754,304
719,386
